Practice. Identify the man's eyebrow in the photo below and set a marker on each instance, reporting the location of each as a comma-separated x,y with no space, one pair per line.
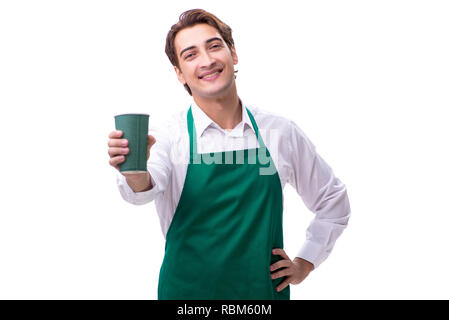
193,47
186,49
213,39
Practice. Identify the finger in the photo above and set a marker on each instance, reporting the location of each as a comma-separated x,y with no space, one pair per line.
280,252
115,134
115,161
282,273
283,285
117,143
280,264
117,151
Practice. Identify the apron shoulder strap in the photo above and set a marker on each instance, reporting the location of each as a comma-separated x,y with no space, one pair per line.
256,129
192,135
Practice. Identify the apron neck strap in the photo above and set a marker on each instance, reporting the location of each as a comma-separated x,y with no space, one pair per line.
256,129
192,132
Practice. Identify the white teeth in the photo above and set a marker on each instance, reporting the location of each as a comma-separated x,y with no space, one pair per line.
211,75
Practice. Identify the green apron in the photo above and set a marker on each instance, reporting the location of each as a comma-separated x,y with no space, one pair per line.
228,220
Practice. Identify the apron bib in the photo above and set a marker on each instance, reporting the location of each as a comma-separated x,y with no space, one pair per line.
228,219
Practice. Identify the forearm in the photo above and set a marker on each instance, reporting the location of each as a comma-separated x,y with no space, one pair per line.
323,231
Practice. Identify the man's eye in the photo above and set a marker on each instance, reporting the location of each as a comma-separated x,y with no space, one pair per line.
216,46
189,55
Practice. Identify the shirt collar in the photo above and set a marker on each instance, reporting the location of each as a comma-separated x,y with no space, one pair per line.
203,122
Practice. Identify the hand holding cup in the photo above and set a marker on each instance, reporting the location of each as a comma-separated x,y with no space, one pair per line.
129,149
118,149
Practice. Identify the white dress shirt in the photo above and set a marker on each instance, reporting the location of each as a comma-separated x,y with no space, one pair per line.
294,158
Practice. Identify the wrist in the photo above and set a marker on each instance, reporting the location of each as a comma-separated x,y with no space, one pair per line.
304,263
139,182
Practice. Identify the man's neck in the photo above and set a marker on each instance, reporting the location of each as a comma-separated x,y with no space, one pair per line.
226,111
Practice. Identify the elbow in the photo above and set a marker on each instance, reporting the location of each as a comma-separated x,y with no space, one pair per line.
334,204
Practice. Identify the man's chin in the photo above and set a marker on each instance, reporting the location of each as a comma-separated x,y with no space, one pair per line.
215,92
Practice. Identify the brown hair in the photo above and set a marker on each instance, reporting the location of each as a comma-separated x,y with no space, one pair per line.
189,19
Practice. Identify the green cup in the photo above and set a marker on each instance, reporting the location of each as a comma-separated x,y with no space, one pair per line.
135,129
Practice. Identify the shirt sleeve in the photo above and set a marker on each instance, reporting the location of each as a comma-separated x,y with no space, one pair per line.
159,166
322,193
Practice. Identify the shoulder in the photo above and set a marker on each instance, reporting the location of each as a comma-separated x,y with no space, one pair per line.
269,120
286,127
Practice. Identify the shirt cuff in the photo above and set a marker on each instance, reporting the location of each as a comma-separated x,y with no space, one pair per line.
137,198
312,252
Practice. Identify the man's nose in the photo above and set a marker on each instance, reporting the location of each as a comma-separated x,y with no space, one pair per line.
207,60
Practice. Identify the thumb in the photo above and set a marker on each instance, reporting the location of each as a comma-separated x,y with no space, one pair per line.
151,142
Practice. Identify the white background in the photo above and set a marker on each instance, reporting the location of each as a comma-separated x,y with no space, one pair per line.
367,81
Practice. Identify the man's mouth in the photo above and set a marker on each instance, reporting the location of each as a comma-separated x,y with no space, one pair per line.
211,75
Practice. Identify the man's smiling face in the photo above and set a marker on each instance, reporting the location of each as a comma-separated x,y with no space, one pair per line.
206,64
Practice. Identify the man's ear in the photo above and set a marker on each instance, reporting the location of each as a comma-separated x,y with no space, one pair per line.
180,76
234,55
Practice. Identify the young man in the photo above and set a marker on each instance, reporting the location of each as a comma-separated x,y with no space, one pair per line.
216,175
